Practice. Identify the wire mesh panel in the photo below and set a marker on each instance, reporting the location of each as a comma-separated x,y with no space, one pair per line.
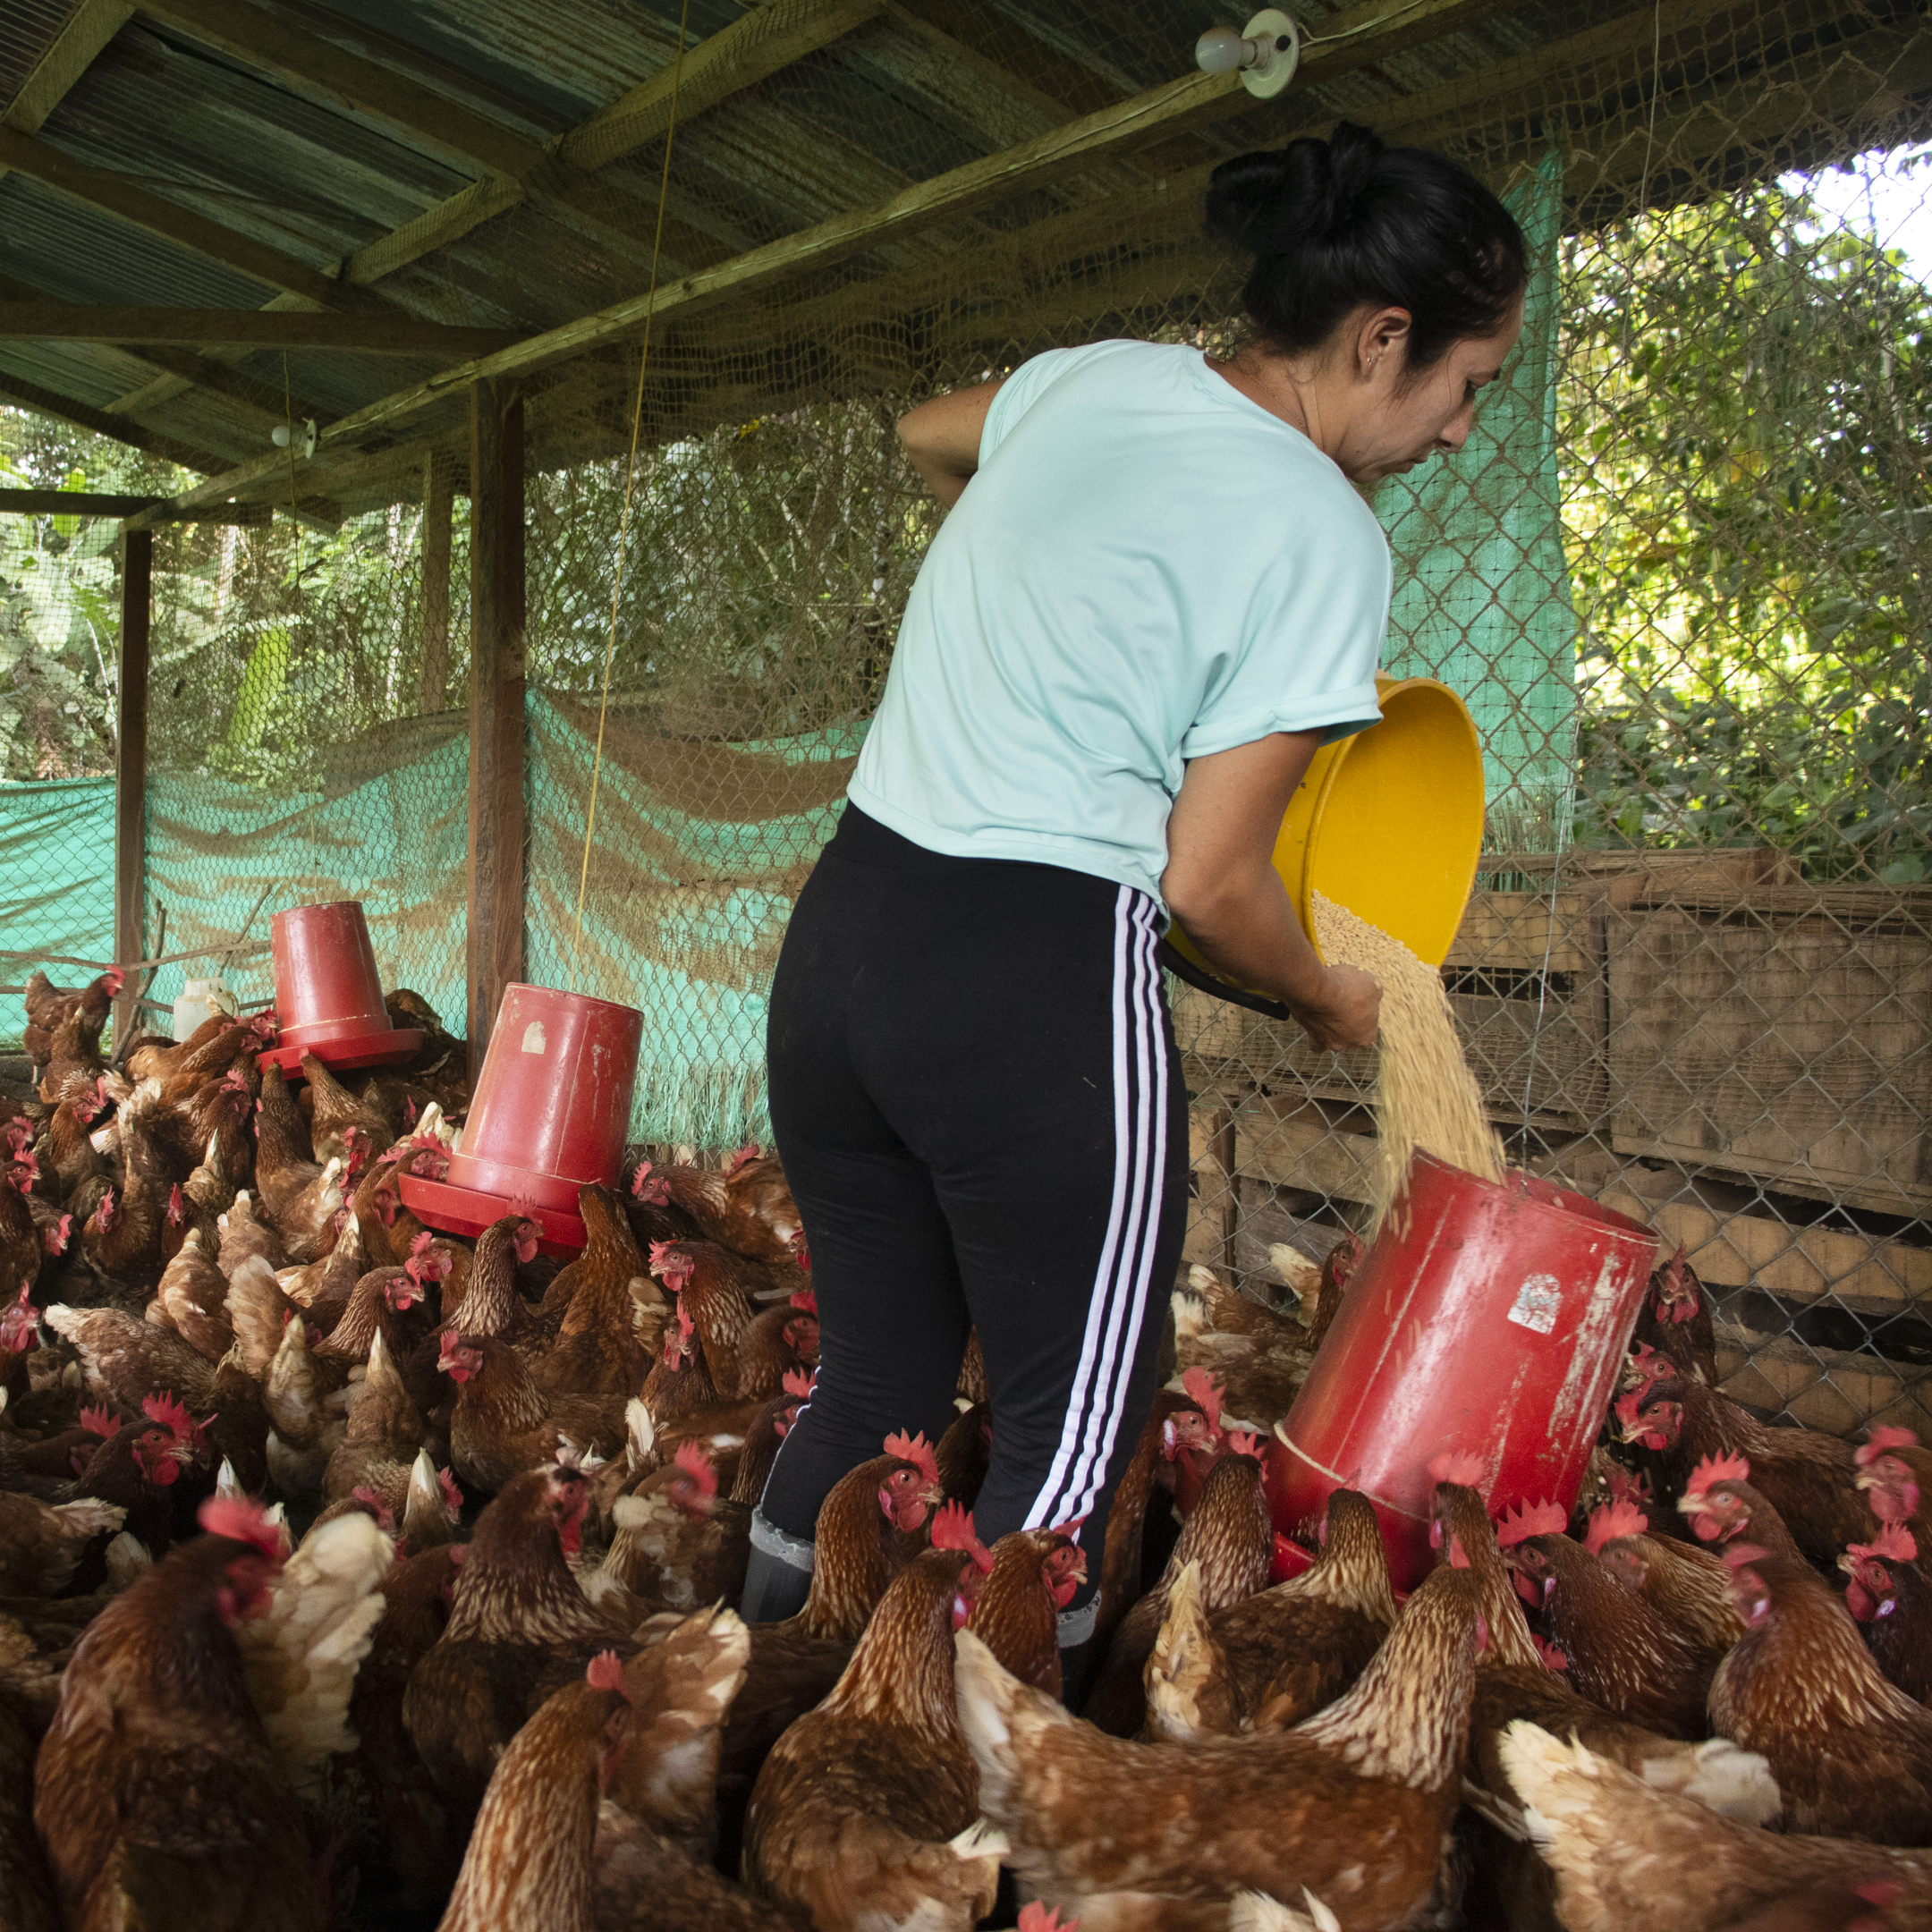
1677,575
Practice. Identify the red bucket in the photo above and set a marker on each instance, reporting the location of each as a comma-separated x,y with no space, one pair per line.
1485,1318
328,1000
548,1116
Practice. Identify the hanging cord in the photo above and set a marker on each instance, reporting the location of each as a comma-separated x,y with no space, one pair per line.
624,521
288,420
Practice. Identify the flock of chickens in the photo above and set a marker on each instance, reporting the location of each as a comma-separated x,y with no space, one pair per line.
350,1572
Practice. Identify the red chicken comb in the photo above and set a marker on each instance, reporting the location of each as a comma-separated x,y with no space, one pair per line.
1713,1469
409,1110
666,1257
1244,1442
952,1528
453,1497
1629,1486
1885,1437
916,1450
1205,1391
806,1300
1461,1467
798,1382
243,1521
1738,1555
1609,1521
101,1422
750,1152
1528,1520
171,1415
54,1237
384,1519
1553,1658
696,1463
605,1672
1034,1916
1893,1541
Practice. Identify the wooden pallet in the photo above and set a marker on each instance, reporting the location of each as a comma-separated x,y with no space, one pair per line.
1731,1246
1783,1033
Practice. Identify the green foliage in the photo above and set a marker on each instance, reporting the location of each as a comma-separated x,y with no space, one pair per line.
1745,398
60,599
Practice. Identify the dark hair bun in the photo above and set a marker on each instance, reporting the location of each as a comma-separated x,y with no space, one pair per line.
1336,223
1272,203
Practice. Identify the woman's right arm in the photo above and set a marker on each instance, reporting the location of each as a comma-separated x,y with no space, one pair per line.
942,439
1221,884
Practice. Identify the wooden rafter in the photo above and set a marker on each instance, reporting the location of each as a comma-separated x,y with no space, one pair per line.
723,63
1353,39
118,195
370,334
31,395
182,370
76,47
105,504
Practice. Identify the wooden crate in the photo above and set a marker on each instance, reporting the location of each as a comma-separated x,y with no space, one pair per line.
1821,1388
1735,1247
1779,1032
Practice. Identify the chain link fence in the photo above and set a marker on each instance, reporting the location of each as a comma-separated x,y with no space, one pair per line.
1678,577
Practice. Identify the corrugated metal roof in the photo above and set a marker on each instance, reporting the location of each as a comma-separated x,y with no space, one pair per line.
920,89
27,30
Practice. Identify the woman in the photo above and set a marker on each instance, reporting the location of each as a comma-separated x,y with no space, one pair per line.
1156,595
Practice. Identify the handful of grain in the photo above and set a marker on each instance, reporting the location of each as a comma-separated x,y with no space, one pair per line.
1425,1097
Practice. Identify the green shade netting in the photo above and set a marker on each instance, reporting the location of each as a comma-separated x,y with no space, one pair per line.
57,881
390,830
1482,595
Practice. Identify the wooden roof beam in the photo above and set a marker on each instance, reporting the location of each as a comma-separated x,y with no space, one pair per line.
749,50
367,334
102,504
120,195
1362,34
308,65
31,395
76,47
178,370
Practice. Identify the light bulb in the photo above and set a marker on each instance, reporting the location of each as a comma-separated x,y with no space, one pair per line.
1220,50
279,435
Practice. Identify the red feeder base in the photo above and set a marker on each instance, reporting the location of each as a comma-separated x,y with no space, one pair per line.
461,1210
547,1118
329,999
364,1050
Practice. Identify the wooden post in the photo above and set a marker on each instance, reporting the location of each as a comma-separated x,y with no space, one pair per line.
495,948
131,767
1221,1151
439,501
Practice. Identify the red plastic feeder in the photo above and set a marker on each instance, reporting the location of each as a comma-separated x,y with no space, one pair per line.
329,1001
1485,1318
548,1116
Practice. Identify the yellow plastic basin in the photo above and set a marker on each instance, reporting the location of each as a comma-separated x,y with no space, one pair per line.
1388,823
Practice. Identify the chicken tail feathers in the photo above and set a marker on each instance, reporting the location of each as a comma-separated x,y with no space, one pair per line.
1253,1913
997,1714
1721,1777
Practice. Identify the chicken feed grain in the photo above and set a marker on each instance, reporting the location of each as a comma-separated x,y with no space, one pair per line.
1425,1097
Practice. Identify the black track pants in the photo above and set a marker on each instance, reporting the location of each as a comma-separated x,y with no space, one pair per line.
979,1108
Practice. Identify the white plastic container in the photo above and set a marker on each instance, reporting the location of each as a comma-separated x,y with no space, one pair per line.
201,1001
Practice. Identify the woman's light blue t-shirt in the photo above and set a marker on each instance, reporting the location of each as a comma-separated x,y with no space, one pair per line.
1146,568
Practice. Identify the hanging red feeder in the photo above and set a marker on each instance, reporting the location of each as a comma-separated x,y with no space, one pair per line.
1487,1319
548,1116
328,1000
